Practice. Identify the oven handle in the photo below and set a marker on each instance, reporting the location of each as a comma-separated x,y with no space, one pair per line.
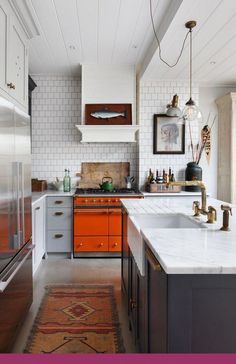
92,211
3,283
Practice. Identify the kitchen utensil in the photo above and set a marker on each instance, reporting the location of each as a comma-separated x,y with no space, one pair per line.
58,184
129,180
107,184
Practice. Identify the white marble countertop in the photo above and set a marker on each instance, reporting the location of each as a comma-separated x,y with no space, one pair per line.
37,196
174,194
188,251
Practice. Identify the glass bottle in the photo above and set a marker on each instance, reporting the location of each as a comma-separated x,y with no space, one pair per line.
66,181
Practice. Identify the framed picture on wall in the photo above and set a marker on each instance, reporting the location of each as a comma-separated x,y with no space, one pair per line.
168,135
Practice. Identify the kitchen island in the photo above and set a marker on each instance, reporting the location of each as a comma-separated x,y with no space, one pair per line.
179,284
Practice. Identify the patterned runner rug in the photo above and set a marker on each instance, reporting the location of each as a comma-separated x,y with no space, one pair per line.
76,319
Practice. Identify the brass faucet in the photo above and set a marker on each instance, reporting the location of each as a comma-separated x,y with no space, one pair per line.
202,186
226,210
211,215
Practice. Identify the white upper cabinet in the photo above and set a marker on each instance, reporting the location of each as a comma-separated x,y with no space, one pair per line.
3,46
18,64
13,58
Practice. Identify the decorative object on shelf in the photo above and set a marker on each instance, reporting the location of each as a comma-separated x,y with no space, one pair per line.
173,109
204,143
193,172
169,135
108,114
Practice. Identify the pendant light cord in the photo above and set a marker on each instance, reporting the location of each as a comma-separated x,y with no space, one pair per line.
181,52
191,62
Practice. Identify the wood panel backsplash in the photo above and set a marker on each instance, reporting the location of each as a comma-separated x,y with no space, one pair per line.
92,174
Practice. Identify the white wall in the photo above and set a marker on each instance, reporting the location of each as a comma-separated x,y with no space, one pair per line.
56,108
106,84
154,96
207,97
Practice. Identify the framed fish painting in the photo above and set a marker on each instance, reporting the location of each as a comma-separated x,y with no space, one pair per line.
108,114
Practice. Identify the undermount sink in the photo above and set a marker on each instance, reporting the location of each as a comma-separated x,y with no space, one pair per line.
167,221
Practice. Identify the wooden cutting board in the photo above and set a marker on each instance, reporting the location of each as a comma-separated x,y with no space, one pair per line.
92,174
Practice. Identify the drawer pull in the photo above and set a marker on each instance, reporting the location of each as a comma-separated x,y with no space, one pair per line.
101,244
37,208
87,212
115,244
11,85
58,236
153,262
133,304
58,202
81,244
58,213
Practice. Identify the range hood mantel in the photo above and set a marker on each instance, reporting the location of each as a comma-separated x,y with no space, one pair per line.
108,133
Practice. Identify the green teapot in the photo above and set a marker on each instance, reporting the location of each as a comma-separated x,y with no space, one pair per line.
107,185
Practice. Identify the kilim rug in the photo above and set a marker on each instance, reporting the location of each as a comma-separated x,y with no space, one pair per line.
76,319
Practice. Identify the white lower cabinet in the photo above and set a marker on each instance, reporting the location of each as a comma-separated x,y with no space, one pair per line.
38,233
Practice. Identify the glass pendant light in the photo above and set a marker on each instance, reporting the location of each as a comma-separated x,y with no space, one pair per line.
191,111
173,109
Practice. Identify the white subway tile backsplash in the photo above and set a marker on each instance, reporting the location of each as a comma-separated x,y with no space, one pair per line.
55,141
154,96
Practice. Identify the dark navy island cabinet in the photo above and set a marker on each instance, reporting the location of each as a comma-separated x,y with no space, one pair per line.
179,313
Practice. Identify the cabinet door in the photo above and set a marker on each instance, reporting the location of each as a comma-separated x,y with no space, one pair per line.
90,222
3,46
115,221
17,74
38,233
156,305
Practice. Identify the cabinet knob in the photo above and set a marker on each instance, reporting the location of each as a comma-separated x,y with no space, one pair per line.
58,213
11,85
101,244
58,236
115,244
80,244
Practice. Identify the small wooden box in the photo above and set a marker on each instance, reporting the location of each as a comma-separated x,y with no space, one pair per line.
38,185
162,188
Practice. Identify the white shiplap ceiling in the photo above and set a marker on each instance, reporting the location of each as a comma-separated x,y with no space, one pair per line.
73,32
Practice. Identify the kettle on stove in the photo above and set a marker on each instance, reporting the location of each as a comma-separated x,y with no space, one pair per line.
129,181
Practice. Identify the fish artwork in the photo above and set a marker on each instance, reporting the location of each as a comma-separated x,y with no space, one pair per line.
106,114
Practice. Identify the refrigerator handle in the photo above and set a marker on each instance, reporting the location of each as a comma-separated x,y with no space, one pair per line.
18,242
5,283
21,176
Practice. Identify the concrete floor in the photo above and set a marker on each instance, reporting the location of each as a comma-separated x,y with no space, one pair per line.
60,269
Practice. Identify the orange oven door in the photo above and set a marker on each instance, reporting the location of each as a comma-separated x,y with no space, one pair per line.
90,222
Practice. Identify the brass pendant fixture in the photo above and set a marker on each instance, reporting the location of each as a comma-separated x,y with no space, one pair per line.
191,111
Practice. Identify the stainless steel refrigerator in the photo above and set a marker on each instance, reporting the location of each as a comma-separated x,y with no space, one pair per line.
15,221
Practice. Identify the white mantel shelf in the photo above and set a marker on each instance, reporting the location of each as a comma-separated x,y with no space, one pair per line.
108,133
